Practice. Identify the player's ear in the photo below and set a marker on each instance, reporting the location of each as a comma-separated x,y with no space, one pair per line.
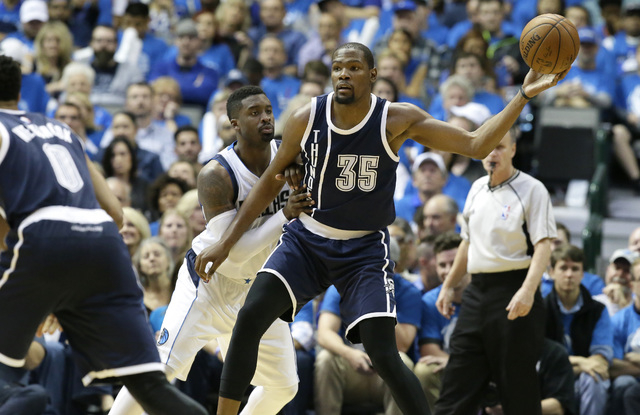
373,73
234,123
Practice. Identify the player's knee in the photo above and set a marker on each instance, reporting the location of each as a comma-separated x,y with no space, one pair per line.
283,395
385,360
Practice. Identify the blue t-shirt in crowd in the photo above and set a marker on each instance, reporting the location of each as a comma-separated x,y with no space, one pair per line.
626,331
280,91
435,327
196,83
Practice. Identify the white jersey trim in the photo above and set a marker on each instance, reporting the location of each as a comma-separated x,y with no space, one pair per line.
383,133
367,316
352,130
6,141
294,302
324,169
123,371
329,232
9,361
312,118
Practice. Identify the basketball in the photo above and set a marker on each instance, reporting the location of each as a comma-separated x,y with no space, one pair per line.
549,43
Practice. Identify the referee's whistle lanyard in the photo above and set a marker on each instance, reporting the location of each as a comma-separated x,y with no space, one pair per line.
499,185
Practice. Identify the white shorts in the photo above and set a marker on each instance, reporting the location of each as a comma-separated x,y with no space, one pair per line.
196,316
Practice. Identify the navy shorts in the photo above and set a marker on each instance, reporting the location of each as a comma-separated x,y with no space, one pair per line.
84,275
360,269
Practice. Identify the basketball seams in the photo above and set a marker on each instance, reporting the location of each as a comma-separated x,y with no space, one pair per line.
571,36
558,48
542,41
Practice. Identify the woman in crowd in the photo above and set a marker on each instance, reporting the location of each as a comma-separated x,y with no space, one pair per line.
135,229
154,264
120,160
189,207
53,46
164,194
176,233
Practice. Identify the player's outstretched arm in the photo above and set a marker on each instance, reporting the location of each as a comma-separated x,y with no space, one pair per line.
107,200
263,193
408,121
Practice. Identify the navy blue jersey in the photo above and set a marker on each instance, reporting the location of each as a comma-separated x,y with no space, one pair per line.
42,163
351,174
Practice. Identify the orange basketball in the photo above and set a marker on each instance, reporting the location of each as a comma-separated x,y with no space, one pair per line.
549,43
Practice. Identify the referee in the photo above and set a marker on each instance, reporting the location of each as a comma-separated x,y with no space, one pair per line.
507,232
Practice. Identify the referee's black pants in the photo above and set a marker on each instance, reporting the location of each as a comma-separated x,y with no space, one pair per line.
486,346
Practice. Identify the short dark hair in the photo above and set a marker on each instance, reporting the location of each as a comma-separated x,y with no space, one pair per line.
403,224
67,104
562,228
183,129
108,155
10,79
394,87
316,66
234,103
567,252
446,241
127,114
137,10
142,84
366,52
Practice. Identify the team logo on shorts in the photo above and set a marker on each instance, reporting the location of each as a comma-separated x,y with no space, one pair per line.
389,286
164,336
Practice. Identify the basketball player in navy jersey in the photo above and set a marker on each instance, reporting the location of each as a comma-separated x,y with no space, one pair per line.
349,141
65,257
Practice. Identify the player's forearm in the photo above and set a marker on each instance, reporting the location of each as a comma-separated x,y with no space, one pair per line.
539,261
459,267
432,349
405,335
331,341
257,239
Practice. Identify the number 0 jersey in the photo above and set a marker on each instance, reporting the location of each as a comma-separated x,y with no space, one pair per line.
351,174
42,163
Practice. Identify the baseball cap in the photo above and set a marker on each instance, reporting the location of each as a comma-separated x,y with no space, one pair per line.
186,27
632,9
472,111
34,10
587,35
14,49
432,157
235,75
623,253
406,5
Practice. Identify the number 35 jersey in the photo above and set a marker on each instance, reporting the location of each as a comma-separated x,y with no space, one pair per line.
42,163
351,174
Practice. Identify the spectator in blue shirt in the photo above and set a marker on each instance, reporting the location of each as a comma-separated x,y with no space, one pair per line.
215,53
435,330
583,326
278,86
625,368
10,13
33,14
197,81
272,13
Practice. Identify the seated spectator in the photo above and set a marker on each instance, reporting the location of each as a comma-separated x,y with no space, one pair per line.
164,194
215,53
166,103
233,18
93,132
435,330
154,264
272,13
112,78
586,85
317,71
427,266
190,208
439,216
455,91
322,43
79,77
625,370
473,68
150,134
53,47
616,295
120,160
135,229
149,165
583,326
592,282
416,69
429,177
136,16
33,15
197,81
634,241
176,233
209,127
343,372
184,171
71,115
390,66
187,145
278,86
10,13
79,18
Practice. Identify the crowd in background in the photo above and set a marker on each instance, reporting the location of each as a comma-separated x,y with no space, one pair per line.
145,84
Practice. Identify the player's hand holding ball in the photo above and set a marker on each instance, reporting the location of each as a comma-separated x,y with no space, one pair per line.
549,44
